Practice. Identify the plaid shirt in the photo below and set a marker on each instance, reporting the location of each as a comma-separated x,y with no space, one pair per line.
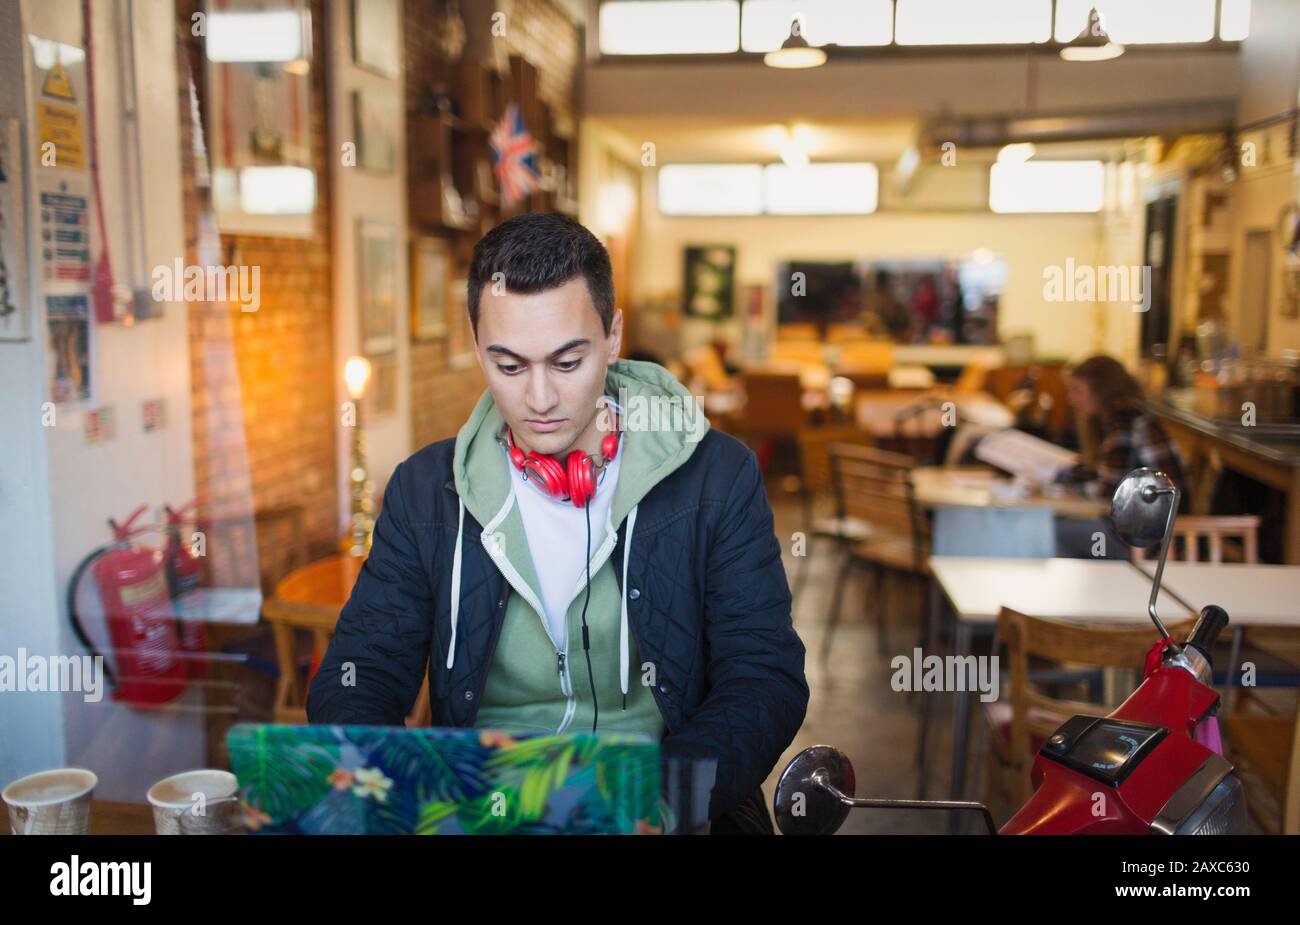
1134,440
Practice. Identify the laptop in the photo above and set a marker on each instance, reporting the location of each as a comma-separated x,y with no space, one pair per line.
390,780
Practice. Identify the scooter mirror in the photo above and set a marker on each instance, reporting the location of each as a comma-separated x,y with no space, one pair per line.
803,805
1140,507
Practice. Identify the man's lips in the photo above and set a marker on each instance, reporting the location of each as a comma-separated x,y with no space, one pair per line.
545,427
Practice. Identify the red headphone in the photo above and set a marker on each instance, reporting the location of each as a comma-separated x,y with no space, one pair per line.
575,479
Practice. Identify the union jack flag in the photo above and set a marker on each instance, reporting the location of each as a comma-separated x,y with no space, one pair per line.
512,153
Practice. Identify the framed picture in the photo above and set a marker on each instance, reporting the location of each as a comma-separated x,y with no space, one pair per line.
460,336
430,269
375,35
377,286
263,174
709,284
374,124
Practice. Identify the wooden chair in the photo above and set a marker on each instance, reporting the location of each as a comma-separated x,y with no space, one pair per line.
798,331
874,486
1189,530
773,413
1019,724
814,483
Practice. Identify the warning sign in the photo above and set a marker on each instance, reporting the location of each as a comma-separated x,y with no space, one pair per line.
60,137
58,83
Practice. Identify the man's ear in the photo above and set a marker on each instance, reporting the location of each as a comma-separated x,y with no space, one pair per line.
615,336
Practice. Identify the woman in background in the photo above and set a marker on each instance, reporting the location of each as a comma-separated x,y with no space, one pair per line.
1119,436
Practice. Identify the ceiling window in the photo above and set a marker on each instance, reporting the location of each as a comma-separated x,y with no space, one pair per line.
1148,22
1047,186
963,22
772,189
765,24
661,27
670,27
820,189
1234,21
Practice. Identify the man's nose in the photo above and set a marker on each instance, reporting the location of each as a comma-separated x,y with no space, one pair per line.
541,395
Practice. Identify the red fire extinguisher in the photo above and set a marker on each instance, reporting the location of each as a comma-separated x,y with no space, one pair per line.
132,585
184,572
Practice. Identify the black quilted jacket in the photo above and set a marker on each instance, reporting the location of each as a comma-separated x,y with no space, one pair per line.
712,613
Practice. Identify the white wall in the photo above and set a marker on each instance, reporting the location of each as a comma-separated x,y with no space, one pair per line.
358,193
31,725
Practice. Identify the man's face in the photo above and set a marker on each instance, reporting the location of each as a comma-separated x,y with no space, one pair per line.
545,356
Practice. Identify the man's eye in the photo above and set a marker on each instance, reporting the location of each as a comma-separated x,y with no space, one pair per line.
510,369
567,366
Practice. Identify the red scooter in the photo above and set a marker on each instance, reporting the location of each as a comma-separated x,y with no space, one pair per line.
1153,766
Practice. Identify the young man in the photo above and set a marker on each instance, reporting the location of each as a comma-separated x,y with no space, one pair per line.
574,464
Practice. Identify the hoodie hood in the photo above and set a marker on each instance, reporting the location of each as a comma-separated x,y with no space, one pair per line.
662,425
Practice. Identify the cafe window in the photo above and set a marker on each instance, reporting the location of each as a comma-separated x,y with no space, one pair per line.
1148,22
1047,186
961,22
820,189
765,24
711,189
774,189
1234,20
670,27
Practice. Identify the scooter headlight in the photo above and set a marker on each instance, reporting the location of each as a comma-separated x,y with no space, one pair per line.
1210,802
1222,813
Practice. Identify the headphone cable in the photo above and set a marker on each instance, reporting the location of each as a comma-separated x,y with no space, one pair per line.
586,637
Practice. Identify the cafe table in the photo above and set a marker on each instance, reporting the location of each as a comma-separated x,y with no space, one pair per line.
1091,590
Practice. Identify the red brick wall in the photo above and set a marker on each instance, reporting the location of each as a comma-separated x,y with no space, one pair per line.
284,351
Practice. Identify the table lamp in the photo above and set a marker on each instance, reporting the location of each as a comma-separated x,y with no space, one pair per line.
356,373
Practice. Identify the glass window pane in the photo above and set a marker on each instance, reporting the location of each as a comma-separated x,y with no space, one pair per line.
1047,186
964,22
1148,22
711,189
765,24
1234,22
821,189
635,27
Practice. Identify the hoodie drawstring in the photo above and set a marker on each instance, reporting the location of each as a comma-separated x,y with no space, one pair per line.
623,656
455,585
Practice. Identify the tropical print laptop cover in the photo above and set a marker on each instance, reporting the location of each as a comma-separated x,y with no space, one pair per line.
317,780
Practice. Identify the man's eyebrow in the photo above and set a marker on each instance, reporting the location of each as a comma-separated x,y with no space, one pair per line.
564,348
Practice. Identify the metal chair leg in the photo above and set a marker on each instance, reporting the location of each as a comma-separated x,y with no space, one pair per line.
835,606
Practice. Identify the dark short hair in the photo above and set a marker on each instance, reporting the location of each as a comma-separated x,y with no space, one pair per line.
538,251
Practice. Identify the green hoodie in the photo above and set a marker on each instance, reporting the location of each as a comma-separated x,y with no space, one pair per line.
531,686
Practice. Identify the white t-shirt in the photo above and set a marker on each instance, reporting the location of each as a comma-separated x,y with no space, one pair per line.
557,541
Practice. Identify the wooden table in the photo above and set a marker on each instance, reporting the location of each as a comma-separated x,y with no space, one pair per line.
109,818
308,598
325,583
977,486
